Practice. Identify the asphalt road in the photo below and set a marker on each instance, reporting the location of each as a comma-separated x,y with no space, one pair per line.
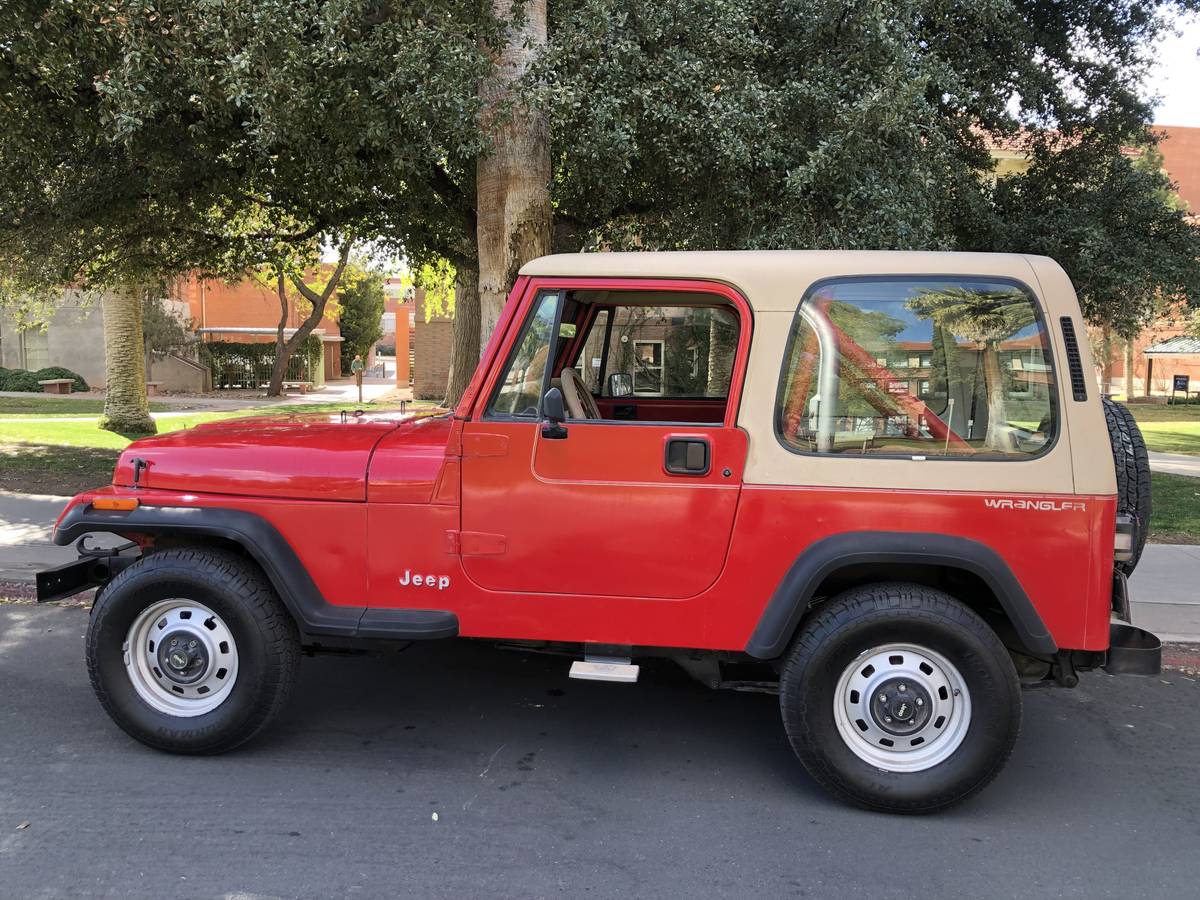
548,787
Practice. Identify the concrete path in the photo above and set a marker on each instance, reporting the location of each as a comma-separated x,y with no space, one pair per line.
1165,588
341,391
1175,463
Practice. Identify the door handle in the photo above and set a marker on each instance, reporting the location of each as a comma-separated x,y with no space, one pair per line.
688,456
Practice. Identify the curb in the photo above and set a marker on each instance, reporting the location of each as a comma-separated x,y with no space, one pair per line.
1181,656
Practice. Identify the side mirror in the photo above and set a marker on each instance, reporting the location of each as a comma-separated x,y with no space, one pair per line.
554,413
620,384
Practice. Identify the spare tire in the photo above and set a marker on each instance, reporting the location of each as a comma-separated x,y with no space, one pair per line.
1133,474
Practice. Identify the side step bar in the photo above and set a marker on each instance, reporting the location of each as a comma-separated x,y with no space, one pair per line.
605,668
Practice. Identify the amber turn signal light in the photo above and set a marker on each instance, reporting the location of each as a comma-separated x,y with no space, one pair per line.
121,503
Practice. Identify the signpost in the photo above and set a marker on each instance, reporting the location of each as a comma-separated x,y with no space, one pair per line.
1180,383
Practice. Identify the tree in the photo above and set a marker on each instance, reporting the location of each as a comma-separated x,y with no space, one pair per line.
693,124
146,140
1112,222
512,180
360,303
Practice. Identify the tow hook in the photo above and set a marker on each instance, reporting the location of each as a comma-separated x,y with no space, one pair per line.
1063,670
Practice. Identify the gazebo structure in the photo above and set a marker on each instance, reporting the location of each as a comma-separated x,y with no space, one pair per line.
1178,356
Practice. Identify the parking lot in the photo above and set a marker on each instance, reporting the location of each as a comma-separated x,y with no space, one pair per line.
457,769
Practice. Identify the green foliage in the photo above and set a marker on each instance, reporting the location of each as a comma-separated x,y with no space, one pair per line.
247,364
1111,222
162,330
435,277
20,380
59,372
143,140
737,124
360,309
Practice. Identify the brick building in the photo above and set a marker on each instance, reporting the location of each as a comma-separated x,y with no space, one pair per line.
1157,356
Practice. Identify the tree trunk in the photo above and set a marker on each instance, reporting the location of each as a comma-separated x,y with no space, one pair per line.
1106,364
282,354
513,177
993,379
126,409
1129,369
464,355
722,348
285,348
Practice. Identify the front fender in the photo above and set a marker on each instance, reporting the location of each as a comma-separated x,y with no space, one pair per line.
274,555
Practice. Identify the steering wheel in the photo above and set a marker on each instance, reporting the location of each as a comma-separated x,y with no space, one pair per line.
579,400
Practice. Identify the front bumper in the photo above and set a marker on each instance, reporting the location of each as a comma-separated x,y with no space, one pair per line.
94,568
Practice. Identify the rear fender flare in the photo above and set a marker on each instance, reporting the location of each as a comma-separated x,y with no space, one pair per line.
818,561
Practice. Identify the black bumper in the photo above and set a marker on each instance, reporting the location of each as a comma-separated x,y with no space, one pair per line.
1132,651
94,568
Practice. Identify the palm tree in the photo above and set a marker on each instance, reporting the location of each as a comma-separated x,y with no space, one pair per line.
126,409
987,317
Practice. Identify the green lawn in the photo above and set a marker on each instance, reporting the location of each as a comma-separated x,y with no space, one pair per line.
41,405
57,454
1176,516
1169,429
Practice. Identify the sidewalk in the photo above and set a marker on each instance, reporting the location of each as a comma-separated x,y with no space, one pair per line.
1175,463
340,391
1165,588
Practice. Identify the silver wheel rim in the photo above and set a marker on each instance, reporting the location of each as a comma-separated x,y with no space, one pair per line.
902,708
181,657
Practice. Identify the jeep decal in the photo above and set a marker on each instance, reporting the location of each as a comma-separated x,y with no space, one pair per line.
1035,505
440,582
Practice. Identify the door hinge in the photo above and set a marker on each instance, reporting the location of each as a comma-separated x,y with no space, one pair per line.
475,543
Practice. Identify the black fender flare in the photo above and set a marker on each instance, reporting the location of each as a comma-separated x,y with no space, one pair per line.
824,557
314,615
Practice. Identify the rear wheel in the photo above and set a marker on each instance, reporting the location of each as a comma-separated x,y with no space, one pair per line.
897,697
191,651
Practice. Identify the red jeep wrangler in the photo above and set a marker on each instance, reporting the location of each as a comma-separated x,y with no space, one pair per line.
886,478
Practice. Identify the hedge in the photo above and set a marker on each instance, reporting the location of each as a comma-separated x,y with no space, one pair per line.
244,364
59,372
20,380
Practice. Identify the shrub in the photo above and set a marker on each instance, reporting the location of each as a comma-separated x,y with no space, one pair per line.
59,372
20,380
247,364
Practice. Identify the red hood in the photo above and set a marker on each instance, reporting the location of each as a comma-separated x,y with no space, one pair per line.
307,457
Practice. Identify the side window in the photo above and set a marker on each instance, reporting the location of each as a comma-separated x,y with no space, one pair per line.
674,351
926,367
519,391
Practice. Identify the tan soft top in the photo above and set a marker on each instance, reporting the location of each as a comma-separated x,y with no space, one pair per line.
775,279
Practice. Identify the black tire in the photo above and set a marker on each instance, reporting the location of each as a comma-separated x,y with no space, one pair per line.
267,646
874,616
1133,474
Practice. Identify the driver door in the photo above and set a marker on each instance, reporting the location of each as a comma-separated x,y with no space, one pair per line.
616,508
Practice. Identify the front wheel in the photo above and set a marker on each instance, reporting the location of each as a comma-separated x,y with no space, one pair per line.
191,651
897,697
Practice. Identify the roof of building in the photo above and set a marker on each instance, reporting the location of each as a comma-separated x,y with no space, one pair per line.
1182,345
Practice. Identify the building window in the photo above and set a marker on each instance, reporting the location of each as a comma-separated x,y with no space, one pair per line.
648,368
35,349
837,394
